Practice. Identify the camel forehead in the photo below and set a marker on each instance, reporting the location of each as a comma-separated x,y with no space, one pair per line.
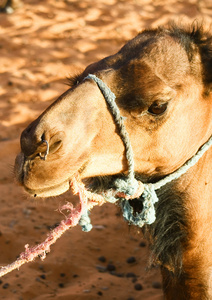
164,56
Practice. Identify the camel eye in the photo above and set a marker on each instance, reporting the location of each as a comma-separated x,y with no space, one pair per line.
158,109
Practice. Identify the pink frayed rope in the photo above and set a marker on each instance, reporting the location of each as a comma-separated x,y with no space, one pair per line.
72,220
77,188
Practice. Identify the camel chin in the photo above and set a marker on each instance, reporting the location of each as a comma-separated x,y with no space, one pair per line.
52,191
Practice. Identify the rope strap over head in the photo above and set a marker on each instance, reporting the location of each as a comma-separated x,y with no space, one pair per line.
130,183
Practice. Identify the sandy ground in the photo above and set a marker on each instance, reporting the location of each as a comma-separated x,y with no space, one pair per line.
40,45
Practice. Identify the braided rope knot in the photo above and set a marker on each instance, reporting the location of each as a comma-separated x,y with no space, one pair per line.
127,186
147,215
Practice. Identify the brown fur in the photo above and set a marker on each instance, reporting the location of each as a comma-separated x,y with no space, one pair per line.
162,80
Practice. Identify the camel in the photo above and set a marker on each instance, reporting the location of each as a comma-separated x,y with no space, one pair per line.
162,83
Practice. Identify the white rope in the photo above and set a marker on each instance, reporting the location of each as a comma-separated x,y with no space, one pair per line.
119,121
129,185
182,170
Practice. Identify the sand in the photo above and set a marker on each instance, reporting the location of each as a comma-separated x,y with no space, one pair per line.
41,43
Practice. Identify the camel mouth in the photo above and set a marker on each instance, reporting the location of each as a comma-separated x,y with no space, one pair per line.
96,184
48,191
51,191
93,184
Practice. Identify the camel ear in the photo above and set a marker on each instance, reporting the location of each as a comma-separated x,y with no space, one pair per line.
197,42
203,39
206,59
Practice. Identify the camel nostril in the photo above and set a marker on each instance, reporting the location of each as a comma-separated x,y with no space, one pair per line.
56,142
39,141
47,150
54,147
43,137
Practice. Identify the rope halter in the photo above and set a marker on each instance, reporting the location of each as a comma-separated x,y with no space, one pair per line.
129,187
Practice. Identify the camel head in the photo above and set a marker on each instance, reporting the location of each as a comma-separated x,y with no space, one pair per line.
162,84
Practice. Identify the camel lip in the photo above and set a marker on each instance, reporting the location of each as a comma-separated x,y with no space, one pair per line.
21,170
48,191
51,191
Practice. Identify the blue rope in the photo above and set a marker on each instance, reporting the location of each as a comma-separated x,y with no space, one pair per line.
129,184
85,222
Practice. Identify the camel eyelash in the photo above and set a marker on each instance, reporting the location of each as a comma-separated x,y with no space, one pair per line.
73,80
